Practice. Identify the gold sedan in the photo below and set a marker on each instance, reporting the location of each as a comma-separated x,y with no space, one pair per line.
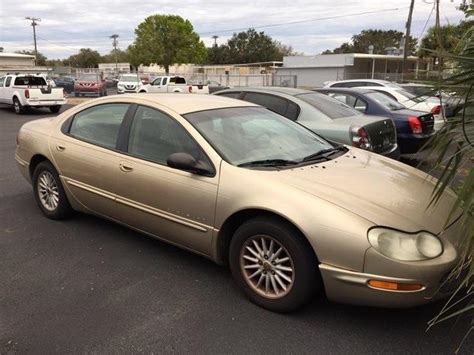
292,214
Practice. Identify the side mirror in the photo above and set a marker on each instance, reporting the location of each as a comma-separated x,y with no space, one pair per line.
184,161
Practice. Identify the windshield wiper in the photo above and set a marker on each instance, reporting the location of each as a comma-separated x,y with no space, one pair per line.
269,162
325,153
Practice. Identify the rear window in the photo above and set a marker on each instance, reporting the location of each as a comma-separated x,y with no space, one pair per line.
30,81
385,101
330,107
177,80
410,96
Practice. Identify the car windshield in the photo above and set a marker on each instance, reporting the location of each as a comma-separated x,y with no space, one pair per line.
330,107
246,135
385,101
89,77
129,78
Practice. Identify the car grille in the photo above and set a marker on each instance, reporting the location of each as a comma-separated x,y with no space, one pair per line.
130,87
427,123
382,135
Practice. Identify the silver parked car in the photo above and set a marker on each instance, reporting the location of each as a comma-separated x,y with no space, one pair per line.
325,116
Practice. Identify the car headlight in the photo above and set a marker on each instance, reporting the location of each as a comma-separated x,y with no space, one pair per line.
405,246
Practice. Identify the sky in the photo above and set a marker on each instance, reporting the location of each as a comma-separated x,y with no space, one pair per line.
308,26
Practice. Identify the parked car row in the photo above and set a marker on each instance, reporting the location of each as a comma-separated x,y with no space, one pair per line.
295,216
367,120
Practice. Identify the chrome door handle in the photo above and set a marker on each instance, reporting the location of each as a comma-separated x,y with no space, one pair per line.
125,168
60,147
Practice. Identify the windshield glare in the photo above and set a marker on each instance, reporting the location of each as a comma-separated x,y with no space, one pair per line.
330,107
385,101
129,78
89,77
246,134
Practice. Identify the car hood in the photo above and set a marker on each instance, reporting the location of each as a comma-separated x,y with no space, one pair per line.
86,82
381,190
130,82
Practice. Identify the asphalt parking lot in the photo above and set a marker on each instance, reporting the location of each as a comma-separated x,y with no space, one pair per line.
89,285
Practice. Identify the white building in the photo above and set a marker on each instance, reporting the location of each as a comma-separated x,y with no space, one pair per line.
19,63
313,71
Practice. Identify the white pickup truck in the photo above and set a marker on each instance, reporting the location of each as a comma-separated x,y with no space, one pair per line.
30,90
174,84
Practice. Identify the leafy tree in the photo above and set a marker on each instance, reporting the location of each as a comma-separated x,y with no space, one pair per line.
122,57
166,40
380,39
453,151
252,46
86,58
448,38
40,58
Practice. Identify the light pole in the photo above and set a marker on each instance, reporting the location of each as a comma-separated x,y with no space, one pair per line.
34,23
115,43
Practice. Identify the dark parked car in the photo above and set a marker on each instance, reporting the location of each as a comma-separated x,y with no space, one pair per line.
414,128
65,82
325,116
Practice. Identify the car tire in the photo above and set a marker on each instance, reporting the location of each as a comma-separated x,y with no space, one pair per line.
18,107
286,281
49,192
55,109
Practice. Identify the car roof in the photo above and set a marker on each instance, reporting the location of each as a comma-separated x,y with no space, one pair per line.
183,103
269,89
366,80
361,90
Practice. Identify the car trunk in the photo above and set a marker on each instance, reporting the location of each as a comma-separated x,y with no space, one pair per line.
427,123
382,135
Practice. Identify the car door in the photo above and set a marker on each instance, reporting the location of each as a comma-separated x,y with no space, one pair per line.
169,203
155,85
85,153
7,92
2,90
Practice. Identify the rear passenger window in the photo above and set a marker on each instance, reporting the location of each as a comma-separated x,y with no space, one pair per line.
8,81
293,111
273,103
99,125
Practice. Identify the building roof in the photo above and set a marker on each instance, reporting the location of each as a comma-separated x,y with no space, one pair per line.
16,55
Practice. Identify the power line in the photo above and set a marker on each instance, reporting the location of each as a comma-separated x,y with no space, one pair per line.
427,20
309,20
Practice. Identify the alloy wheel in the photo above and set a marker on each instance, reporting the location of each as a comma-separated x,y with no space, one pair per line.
267,266
48,191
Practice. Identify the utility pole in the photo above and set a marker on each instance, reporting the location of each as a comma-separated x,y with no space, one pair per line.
34,23
407,37
115,43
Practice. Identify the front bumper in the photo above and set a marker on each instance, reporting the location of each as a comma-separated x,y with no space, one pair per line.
349,286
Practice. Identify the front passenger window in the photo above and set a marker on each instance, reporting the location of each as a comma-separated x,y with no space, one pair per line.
154,136
99,125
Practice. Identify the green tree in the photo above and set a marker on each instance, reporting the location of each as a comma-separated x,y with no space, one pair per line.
252,46
380,39
447,38
122,57
453,151
40,58
166,40
86,58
